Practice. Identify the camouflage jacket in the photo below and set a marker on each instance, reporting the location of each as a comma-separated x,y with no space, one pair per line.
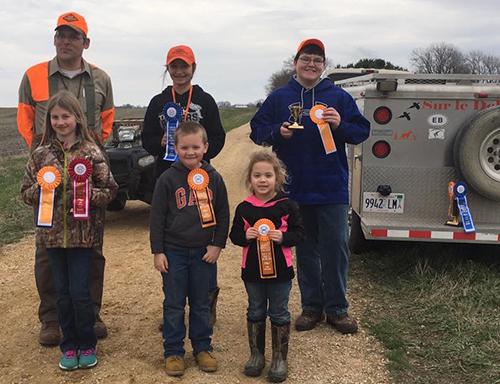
67,232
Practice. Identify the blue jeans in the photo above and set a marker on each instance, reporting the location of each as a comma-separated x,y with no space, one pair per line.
75,312
323,259
277,294
212,284
188,277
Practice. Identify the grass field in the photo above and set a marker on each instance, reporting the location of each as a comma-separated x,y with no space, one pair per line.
435,307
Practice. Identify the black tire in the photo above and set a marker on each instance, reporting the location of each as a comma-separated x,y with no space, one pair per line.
357,241
476,153
117,204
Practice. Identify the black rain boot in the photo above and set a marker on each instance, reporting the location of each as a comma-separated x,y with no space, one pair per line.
279,363
257,342
212,303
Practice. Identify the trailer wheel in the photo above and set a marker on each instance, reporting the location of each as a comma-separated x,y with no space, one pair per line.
357,241
476,153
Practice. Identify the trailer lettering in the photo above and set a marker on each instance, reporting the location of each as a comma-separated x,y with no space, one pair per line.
461,106
436,106
479,105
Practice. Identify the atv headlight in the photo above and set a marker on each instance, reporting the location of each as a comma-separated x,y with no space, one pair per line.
126,135
145,161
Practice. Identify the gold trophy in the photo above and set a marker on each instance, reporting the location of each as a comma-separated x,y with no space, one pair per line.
453,214
296,112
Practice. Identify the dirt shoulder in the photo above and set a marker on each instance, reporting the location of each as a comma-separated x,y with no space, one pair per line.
132,353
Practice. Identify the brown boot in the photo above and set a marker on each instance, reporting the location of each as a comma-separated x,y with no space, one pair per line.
50,334
175,365
308,320
212,303
279,363
343,323
100,327
257,342
206,361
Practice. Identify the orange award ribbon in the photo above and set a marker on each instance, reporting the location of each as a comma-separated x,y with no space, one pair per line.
80,170
316,114
265,250
198,182
48,178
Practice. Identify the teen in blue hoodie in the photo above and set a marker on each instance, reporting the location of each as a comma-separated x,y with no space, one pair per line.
315,157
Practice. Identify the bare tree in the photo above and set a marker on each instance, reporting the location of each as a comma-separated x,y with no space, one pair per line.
439,58
281,77
482,63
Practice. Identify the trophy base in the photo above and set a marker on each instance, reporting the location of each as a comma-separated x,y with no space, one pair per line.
295,126
453,223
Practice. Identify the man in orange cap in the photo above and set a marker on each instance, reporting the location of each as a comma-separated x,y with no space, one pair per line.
67,70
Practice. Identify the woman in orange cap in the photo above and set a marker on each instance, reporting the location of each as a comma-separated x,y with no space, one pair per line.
180,102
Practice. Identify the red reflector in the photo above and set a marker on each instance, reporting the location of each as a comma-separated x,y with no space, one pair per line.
381,149
481,95
382,115
379,232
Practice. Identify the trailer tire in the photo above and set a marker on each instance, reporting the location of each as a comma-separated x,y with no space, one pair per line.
476,153
357,241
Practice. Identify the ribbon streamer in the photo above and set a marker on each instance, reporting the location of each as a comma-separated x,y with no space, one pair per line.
172,114
265,250
460,192
316,115
80,170
48,178
198,180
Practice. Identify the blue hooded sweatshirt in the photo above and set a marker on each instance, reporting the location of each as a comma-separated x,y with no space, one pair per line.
315,177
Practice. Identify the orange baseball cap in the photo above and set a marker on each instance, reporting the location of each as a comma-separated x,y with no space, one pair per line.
182,52
73,20
311,42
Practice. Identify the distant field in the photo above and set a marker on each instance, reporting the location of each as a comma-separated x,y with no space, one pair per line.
13,144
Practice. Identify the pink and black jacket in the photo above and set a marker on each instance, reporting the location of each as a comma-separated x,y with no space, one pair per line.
285,215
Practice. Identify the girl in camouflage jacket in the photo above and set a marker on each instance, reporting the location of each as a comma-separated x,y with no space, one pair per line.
68,181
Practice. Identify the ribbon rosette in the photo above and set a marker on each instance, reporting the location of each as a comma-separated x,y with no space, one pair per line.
198,180
265,249
316,115
463,207
48,178
172,114
80,170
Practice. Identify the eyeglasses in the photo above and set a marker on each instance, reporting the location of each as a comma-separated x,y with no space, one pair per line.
307,60
71,37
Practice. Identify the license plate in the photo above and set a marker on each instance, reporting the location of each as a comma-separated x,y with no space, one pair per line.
375,202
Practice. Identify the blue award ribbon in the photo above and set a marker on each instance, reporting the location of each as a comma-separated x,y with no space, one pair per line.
172,114
460,192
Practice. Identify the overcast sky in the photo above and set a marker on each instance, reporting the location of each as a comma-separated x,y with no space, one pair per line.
237,43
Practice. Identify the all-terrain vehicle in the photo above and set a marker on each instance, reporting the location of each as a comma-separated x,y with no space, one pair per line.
131,165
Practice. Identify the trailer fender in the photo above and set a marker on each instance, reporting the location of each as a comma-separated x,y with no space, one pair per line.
476,153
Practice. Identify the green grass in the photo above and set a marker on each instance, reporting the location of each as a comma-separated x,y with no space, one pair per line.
235,117
436,308
16,217
122,113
